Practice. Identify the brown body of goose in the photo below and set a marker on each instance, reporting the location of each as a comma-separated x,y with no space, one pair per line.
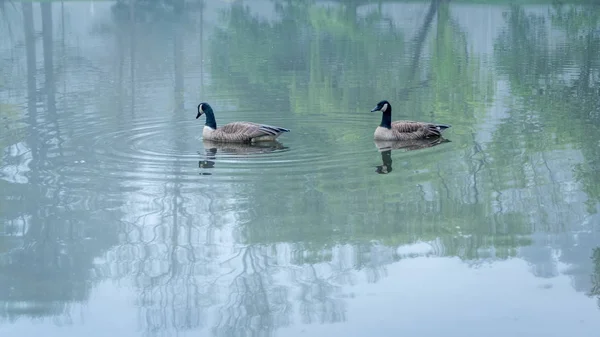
236,132
403,130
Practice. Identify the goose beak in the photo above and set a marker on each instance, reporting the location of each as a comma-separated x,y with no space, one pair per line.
375,109
199,114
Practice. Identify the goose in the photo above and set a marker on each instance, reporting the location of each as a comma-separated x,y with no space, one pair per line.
403,130
236,132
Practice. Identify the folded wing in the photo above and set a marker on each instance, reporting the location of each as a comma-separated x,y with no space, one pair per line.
247,130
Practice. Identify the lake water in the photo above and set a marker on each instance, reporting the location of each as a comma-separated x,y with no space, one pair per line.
117,218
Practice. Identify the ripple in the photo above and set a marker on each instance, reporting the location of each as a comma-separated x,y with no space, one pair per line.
169,148
316,144
148,142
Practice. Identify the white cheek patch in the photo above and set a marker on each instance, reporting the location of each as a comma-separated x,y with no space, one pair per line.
201,108
384,108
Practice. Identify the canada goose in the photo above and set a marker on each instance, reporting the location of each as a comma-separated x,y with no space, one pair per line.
403,130
236,132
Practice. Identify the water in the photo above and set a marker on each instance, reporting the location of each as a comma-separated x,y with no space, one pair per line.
116,217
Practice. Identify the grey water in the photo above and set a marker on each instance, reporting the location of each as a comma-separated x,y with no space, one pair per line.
117,218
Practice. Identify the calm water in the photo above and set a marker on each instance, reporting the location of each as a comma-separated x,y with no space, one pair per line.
116,217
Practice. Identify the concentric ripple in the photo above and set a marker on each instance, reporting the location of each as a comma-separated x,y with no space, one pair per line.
165,149
99,156
315,145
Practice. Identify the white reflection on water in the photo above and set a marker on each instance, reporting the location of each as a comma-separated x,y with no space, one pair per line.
498,299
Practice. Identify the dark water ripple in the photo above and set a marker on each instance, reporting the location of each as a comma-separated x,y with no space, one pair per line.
161,149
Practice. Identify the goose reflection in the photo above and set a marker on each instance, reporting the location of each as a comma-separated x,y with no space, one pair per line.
235,150
386,147
208,161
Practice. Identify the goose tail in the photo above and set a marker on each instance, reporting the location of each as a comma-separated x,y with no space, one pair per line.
443,127
283,129
273,129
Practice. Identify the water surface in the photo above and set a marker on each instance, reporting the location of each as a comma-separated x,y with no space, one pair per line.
117,217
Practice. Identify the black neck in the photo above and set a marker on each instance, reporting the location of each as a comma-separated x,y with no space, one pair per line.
386,118
210,120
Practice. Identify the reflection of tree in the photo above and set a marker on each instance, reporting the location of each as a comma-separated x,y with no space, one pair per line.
351,59
595,277
557,112
12,132
48,241
580,98
321,57
166,265
6,21
255,305
460,87
466,205
317,305
148,10
132,22
538,69
161,251
48,43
